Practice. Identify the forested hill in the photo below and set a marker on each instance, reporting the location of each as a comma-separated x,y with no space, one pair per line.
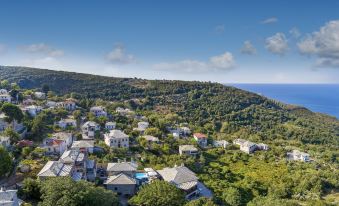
226,109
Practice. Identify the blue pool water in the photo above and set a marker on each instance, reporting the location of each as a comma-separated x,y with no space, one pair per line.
323,98
141,176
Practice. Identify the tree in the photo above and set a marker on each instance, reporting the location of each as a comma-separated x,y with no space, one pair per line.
39,126
45,88
203,201
158,193
5,161
153,131
63,191
12,112
30,189
13,135
232,196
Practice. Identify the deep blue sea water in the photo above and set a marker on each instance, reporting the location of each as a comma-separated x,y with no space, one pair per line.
323,98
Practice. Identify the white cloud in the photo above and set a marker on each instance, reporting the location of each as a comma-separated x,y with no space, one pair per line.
118,56
269,20
221,62
220,29
277,44
44,49
324,44
295,32
248,48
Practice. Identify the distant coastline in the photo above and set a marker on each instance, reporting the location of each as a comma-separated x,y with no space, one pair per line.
323,98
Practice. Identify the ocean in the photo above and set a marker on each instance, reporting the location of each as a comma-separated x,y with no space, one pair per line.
323,98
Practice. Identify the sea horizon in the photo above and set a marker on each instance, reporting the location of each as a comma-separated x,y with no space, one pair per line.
317,97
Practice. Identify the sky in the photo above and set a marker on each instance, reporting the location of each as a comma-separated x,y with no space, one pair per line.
220,41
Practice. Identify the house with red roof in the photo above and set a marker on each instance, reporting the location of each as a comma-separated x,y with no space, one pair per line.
201,139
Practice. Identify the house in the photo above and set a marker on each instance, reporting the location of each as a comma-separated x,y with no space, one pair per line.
51,104
5,98
183,178
77,159
18,127
296,155
89,129
3,91
91,170
66,123
248,147
56,169
151,139
262,146
239,141
188,150
5,141
185,131
54,146
142,126
201,139
122,111
32,110
27,102
98,111
39,95
220,143
127,168
24,143
117,139
83,146
58,143
121,184
69,104
9,197
110,126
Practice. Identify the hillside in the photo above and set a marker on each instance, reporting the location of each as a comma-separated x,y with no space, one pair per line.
226,109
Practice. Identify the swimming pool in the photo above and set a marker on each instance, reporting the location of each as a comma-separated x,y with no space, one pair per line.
141,176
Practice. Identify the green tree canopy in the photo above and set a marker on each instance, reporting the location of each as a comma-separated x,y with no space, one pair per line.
63,191
5,161
158,193
12,112
203,201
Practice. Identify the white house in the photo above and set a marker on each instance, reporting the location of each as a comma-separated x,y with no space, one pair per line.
248,147
122,111
33,110
142,126
64,123
83,146
110,126
54,146
56,169
5,98
5,141
9,197
117,139
68,104
98,111
89,129
64,136
220,143
188,150
51,104
262,146
40,95
183,178
298,156
201,139
18,127
3,91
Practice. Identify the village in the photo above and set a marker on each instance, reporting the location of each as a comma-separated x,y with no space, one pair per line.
80,135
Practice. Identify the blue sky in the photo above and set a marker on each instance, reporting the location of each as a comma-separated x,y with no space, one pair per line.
223,41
